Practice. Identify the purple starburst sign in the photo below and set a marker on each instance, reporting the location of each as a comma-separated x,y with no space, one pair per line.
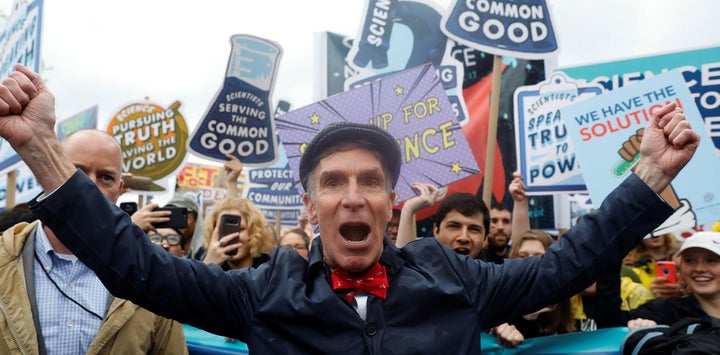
412,106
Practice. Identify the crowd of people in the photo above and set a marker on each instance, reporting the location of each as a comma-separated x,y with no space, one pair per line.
83,277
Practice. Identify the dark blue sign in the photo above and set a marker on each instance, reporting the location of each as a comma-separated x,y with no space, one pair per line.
519,28
239,120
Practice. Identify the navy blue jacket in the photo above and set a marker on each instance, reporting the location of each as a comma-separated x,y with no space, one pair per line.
438,301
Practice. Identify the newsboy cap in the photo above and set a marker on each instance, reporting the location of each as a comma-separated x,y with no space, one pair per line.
337,134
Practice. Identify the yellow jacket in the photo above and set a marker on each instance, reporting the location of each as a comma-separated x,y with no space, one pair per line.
646,272
127,328
633,295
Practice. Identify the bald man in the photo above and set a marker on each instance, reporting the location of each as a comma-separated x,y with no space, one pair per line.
57,304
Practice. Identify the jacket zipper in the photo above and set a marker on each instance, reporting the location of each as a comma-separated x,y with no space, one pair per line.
13,332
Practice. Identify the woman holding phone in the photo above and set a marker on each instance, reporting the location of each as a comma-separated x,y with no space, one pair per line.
699,267
236,235
644,261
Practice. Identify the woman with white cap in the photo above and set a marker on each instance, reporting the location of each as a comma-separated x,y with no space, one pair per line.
698,267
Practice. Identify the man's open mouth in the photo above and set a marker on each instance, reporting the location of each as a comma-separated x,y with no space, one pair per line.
462,251
354,232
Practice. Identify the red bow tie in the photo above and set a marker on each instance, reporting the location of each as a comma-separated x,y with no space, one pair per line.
374,282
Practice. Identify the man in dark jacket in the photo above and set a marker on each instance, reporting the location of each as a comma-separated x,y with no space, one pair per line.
424,298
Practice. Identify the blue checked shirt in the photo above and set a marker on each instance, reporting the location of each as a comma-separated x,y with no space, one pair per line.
66,327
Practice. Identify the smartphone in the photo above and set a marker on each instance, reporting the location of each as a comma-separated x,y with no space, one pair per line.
230,223
178,217
140,183
666,269
129,207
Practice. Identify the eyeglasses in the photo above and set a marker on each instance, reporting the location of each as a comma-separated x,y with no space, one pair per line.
298,246
172,239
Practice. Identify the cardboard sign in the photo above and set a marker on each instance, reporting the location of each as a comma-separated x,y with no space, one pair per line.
274,192
545,153
606,131
412,106
81,120
19,43
401,34
700,68
153,140
502,27
238,120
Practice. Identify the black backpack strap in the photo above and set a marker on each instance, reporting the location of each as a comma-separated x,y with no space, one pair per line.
636,340
663,339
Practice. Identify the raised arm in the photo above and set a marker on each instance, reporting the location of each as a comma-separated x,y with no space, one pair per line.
428,195
232,172
521,208
603,237
27,122
117,250
668,144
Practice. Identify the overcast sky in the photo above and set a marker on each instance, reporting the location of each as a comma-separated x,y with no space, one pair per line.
112,53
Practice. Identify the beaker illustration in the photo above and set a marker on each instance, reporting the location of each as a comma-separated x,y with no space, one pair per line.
239,120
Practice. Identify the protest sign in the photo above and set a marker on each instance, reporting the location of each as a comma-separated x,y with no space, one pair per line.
412,106
700,68
332,65
402,34
25,188
502,27
19,43
273,191
545,153
607,130
82,120
238,120
205,183
153,140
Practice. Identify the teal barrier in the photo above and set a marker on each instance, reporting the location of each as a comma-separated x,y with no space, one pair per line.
604,341
200,342
599,342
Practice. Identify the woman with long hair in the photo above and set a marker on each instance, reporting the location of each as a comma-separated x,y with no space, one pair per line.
555,319
250,245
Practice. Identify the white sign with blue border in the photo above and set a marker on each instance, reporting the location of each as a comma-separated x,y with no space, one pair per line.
545,153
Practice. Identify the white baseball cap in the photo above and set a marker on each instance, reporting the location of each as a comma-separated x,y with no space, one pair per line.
706,240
